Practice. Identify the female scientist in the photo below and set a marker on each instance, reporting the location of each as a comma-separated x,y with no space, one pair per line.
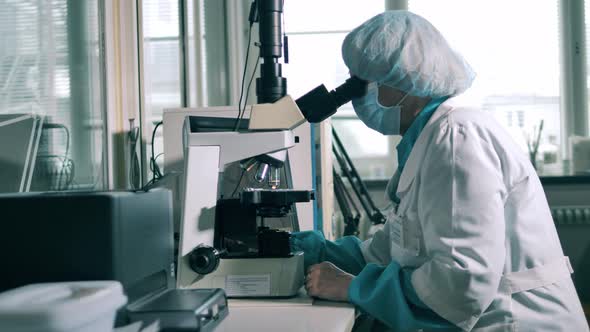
470,243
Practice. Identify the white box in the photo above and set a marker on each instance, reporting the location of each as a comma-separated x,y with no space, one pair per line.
580,154
61,307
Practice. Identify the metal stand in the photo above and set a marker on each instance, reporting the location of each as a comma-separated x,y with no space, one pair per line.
343,195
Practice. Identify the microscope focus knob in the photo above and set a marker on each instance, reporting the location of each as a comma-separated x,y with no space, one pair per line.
204,260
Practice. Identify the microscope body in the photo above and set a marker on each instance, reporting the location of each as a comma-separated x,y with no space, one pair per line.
207,153
268,135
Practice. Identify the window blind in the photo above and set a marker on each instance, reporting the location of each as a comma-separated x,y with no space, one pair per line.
50,65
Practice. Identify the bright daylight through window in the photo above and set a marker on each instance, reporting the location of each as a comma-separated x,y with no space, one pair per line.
315,40
162,70
517,66
51,71
161,53
518,69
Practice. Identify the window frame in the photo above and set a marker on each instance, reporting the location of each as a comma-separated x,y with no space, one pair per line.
122,68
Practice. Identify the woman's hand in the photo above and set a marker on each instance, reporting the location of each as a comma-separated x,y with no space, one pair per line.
328,282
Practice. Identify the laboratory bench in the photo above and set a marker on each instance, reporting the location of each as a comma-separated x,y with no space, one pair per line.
565,179
289,315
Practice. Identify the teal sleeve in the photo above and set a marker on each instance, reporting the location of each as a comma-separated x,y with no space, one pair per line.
345,253
386,293
409,290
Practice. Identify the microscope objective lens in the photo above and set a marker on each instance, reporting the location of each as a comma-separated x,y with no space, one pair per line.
274,181
261,172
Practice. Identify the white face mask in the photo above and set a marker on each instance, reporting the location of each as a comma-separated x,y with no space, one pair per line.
385,120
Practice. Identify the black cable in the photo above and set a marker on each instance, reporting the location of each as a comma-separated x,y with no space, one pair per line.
244,77
69,171
134,161
71,182
285,38
150,184
156,173
356,182
238,184
248,89
63,159
345,202
66,154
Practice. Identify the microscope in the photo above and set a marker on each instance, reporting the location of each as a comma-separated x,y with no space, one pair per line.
226,242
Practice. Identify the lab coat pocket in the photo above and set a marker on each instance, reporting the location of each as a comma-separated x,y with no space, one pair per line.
405,235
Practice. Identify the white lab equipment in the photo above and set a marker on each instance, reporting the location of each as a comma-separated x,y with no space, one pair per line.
299,156
580,154
484,247
88,306
211,144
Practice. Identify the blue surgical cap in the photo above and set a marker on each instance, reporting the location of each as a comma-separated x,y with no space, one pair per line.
404,51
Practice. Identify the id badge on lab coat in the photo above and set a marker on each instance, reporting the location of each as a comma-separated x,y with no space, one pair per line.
405,234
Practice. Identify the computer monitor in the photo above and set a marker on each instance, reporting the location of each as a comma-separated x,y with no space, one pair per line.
19,140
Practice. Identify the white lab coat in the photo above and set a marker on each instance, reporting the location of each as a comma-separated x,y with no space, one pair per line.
475,224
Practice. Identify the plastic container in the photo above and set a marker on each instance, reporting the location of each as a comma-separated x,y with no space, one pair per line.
88,306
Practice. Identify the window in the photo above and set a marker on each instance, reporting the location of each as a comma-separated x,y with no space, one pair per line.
163,83
185,61
206,53
51,66
315,40
515,53
161,57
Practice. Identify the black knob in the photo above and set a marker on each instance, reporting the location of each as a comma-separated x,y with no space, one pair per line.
204,260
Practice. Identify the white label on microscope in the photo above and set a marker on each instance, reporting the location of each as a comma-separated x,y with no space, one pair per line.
248,285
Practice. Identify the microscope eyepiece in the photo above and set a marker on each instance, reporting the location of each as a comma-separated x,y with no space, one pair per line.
319,104
353,87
